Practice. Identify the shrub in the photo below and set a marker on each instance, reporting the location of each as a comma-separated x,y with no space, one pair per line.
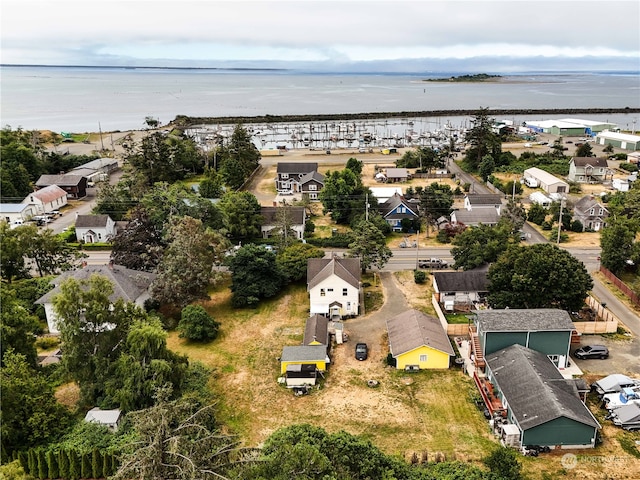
197,325
629,167
546,225
419,276
47,343
576,226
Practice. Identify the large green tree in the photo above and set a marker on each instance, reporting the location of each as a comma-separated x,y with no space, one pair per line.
93,329
139,246
144,365
254,275
370,246
21,163
14,243
482,139
618,243
481,245
187,266
197,325
18,326
31,415
343,195
238,159
436,201
292,260
164,157
241,215
538,276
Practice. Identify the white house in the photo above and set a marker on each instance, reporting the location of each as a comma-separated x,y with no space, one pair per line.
46,199
14,213
483,200
620,184
108,418
129,285
548,182
334,286
272,223
95,228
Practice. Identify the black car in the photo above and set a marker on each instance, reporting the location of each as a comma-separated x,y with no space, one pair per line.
361,351
592,351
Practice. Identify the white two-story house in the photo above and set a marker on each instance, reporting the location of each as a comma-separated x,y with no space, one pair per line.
334,286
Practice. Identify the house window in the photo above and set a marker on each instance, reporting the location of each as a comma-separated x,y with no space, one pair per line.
592,211
555,359
313,196
348,306
423,358
284,175
329,290
313,187
601,211
99,236
322,292
344,292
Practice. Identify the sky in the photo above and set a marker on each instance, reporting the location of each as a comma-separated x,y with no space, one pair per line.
347,35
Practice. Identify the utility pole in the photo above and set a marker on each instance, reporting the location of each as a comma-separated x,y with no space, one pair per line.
101,142
560,221
366,207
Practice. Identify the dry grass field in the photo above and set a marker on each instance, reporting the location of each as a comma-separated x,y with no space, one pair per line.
424,412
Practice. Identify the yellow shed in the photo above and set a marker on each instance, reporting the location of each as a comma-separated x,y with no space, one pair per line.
304,355
418,341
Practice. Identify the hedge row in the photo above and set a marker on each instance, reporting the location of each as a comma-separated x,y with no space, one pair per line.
67,464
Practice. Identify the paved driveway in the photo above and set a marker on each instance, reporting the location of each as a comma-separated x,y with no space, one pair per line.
624,356
370,329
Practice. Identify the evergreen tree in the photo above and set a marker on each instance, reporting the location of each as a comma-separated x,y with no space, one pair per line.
75,464
52,464
63,463
32,463
42,464
107,471
86,469
96,463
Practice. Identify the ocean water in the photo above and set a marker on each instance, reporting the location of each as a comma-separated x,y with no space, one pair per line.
83,99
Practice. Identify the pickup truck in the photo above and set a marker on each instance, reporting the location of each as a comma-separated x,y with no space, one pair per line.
432,263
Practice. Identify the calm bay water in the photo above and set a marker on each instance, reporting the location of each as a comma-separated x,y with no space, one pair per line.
82,99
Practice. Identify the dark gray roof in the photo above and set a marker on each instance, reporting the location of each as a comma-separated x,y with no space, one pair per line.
629,413
65,180
99,163
413,329
127,284
587,202
315,176
486,216
534,389
523,320
466,281
297,167
269,215
316,330
348,269
91,221
484,199
593,161
304,353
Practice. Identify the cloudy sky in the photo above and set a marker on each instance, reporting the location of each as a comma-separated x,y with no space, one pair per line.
365,35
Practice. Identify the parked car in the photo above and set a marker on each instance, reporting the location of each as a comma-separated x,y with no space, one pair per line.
592,351
362,351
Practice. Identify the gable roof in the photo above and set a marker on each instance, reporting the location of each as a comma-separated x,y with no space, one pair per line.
270,215
394,202
304,353
13,207
319,269
484,199
127,284
316,330
99,163
593,161
92,221
46,194
475,280
64,180
523,320
587,202
535,390
486,216
543,176
312,176
296,167
413,329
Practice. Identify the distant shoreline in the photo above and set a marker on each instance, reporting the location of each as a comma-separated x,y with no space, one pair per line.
186,121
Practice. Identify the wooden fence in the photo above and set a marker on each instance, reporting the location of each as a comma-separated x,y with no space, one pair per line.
623,287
